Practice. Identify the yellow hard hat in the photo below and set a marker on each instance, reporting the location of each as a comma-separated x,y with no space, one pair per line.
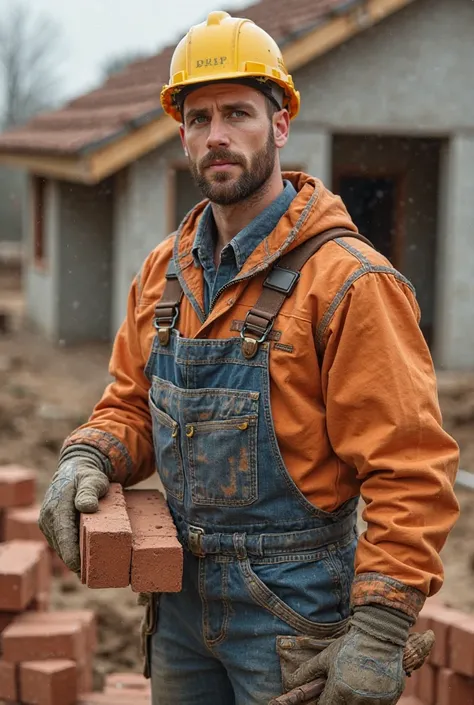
226,48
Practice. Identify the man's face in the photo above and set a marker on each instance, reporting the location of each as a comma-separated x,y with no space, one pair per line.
230,141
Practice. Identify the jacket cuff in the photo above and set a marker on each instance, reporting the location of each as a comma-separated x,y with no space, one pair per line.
379,589
81,450
121,466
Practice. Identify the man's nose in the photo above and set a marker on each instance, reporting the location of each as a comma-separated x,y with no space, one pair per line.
217,136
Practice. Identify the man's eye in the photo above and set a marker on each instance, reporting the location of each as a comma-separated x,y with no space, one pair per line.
238,113
199,120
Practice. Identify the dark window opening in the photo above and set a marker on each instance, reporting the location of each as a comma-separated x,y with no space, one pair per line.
371,204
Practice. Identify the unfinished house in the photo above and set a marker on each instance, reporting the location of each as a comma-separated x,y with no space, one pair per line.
387,121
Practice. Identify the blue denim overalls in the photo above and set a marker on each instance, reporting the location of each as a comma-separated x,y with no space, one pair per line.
261,563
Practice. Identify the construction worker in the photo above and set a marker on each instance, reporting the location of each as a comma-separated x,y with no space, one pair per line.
271,383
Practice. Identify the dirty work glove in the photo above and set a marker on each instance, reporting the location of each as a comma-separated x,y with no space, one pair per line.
365,665
77,485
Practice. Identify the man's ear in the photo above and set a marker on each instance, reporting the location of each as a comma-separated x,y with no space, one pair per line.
281,127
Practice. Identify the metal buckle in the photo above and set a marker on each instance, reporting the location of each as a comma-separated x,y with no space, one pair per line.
254,329
250,345
194,539
163,330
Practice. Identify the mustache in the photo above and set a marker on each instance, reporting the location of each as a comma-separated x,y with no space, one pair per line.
223,155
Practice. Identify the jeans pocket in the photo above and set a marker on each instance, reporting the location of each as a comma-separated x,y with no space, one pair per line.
305,594
222,457
167,450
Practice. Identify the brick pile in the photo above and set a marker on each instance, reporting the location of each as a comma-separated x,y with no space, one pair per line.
19,511
448,676
46,657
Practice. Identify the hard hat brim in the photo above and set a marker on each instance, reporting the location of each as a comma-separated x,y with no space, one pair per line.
170,91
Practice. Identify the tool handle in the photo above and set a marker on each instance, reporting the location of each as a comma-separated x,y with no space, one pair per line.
416,652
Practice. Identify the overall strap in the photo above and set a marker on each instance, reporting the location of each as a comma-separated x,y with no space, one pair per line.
279,284
167,309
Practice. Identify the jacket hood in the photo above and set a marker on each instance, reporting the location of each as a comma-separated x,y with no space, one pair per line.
313,210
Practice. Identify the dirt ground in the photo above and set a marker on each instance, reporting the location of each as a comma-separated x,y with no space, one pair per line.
47,391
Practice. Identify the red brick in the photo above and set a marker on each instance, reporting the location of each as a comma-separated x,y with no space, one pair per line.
440,619
8,681
44,581
21,571
425,686
6,618
30,640
453,689
2,525
22,524
17,486
126,681
461,647
106,543
86,618
41,603
58,566
48,682
85,677
157,555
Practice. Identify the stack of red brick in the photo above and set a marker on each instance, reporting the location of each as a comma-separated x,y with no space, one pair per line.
448,676
131,540
19,511
46,657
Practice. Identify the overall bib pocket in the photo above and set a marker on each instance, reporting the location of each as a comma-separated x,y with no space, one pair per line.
222,457
167,451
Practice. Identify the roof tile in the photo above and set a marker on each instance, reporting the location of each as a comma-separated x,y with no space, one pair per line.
135,92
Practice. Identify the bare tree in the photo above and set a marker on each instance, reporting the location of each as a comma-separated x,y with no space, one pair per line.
29,50
119,62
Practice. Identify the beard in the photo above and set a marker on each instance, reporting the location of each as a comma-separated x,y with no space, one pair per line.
222,188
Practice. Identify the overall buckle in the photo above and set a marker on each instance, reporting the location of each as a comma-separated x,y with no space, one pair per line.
250,344
164,324
194,539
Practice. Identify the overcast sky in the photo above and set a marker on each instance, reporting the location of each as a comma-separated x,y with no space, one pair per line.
96,29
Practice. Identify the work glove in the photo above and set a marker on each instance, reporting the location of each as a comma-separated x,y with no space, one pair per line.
77,485
363,666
